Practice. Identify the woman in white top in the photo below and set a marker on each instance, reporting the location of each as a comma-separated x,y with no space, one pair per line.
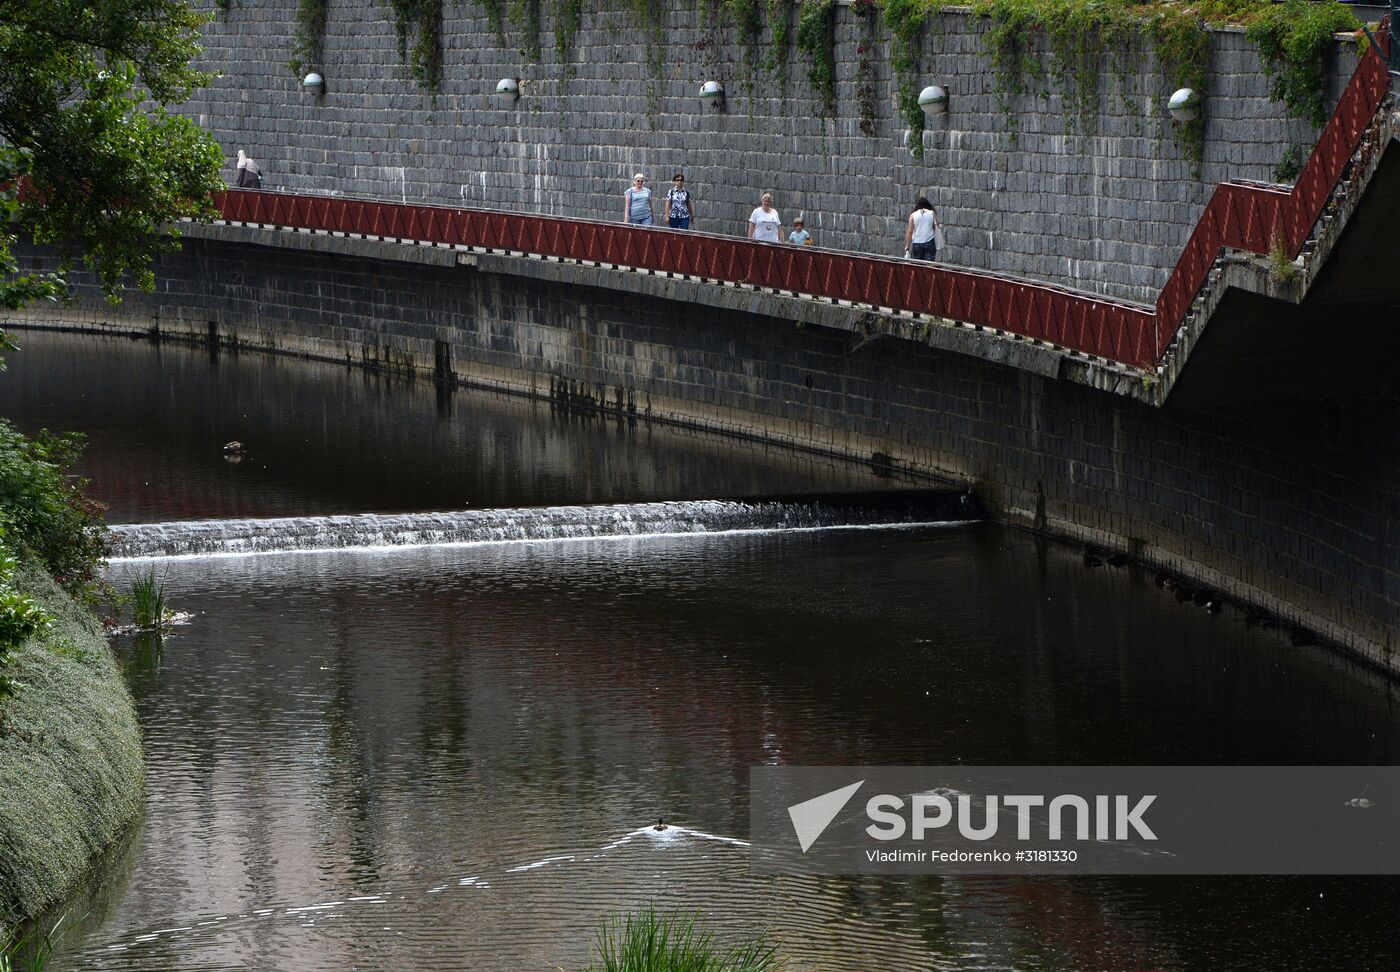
764,222
249,176
919,235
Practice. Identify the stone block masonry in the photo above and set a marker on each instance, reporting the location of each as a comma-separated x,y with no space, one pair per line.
1104,202
1294,507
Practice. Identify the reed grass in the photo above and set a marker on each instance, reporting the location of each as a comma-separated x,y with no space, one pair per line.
31,952
147,600
648,942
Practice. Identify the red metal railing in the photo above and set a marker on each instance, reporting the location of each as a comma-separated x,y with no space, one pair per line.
1254,218
1111,329
1239,215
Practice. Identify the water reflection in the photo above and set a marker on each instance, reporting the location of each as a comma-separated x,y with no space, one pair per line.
447,758
322,438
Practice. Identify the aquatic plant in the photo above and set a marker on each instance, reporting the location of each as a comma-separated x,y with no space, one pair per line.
649,942
147,601
29,952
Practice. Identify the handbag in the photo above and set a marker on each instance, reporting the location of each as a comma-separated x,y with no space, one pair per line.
938,242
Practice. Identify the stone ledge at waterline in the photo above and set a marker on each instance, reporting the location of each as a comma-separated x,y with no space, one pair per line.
71,765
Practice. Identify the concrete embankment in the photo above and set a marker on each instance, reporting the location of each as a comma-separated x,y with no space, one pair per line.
71,766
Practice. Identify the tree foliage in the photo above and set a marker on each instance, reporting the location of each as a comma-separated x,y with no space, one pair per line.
90,157
44,516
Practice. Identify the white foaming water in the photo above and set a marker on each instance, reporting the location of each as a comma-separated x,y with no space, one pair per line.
203,538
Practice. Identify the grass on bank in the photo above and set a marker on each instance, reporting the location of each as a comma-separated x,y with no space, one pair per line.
648,942
70,749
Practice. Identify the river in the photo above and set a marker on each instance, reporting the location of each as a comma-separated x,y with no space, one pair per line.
446,755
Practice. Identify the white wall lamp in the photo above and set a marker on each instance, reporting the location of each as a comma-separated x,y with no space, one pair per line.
1184,105
507,90
712,95
934,101
314,84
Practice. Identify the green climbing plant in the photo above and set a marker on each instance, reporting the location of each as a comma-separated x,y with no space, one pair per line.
1290,164
905,20
496,14
867,91
418,25
1181,41
527,17
780,50
568,19
1073,39
652,14
747,16
309,40
1295,38
816,40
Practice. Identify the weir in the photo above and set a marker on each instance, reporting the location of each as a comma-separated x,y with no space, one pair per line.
202,538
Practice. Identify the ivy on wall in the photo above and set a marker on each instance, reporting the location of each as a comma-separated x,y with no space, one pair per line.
496,13
816,40
747,16
418,25
1182,44
1067,41
568,18
652,14
780,23
1295,38
309,40
905,20
528,19
867,90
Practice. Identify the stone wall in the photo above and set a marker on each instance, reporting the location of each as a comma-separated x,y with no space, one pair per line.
1107,211
1291,506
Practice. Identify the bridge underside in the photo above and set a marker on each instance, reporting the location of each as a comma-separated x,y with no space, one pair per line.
1331,331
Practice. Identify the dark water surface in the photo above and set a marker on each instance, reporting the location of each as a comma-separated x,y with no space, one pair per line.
447,757
323,439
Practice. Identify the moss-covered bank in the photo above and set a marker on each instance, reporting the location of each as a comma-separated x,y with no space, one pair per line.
71,767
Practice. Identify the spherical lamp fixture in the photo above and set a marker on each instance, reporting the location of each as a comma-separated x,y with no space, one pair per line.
1184,105
933,100
507,90
712,94
314,84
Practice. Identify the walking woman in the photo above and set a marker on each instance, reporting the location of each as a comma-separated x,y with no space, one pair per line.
638,197
680,207
249,176
919,236
764,222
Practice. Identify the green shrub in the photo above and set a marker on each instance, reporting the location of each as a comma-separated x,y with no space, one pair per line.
47,517
20,617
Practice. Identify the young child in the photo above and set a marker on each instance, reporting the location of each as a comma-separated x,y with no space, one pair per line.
799,234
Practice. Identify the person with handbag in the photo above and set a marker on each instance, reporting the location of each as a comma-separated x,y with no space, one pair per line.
923,232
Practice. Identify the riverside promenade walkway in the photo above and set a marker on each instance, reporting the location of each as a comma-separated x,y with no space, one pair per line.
1256,219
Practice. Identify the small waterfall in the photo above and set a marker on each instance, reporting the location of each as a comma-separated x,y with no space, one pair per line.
196,538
